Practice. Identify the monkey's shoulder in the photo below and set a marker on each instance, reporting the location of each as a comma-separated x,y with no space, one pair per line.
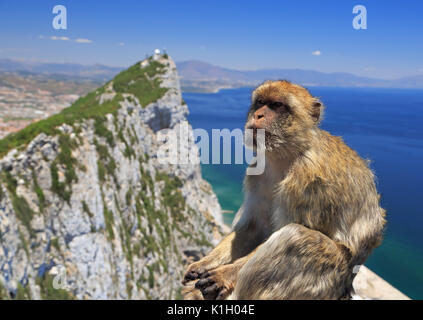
331,171
334,156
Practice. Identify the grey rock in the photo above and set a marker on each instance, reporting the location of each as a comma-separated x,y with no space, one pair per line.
116,238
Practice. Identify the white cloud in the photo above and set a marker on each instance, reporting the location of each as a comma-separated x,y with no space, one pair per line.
316,53
121,44
59,38
78,40
82,40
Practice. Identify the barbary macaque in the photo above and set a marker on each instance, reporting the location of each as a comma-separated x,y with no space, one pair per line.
306,222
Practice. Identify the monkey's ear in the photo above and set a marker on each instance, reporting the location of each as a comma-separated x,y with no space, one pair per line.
317,109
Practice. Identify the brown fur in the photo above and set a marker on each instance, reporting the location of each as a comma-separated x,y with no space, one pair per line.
306,221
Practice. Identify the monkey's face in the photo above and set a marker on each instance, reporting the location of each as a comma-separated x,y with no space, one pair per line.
285,111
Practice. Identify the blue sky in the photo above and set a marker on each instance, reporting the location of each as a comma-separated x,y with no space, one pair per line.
235,34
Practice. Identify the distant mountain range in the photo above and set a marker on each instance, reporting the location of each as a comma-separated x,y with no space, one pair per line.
199,72
70,70
201,76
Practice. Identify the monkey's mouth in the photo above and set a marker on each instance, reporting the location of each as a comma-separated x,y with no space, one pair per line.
254,135
255,130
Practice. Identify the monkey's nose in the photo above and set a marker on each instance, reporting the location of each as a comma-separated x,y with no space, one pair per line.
259,116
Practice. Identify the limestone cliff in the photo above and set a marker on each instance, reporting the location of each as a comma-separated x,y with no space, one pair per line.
83,192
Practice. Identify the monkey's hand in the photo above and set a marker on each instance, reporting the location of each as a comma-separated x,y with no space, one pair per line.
196,270
217,284
220,255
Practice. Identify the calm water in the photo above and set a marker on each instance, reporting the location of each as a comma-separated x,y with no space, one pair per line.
383,125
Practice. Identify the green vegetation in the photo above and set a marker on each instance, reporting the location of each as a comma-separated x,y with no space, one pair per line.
20,205
141,280
4,295
131,100
106,164
101,130
39,192
11,182
127,244
22,293
108,219
64,189
144,206
146,177
129,151
55,244
23,211
129,289
132,138
147,294
24,243
128,196
86,209
135,134
158,220
48,292
141,82
125,232
172,196
151,275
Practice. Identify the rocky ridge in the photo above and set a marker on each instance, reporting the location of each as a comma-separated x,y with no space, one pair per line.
89,212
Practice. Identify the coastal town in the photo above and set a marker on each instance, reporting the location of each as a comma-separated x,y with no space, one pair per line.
22,102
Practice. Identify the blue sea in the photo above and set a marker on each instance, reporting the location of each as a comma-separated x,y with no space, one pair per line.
383,125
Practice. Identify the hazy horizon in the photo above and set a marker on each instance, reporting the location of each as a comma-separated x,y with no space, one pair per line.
39,62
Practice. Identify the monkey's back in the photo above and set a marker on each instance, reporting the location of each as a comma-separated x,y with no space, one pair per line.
332,189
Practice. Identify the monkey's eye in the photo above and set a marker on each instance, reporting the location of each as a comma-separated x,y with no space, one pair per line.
276,105
259,103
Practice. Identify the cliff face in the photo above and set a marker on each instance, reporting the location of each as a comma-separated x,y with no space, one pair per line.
87,208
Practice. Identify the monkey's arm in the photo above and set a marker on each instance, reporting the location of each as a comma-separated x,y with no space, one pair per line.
294,263
218,256
247,235
235,245
218,283
249,231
